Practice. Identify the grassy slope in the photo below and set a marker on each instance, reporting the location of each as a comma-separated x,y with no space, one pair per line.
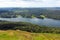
22,35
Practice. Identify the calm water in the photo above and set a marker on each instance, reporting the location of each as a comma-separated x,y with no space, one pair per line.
46,21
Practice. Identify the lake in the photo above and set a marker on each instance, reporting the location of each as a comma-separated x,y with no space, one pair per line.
44,22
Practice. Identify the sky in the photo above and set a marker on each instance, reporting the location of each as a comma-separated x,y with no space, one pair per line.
29,3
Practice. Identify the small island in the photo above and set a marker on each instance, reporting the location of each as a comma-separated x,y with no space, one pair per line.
41,16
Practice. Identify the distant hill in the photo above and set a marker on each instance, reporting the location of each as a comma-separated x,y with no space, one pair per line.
49,12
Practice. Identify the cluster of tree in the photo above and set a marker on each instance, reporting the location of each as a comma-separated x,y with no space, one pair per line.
28,27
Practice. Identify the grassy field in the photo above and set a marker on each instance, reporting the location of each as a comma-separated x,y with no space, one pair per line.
23,35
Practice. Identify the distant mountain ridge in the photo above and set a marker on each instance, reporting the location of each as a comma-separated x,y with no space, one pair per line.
11,8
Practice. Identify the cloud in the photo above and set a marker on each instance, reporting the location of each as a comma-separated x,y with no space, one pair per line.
30,3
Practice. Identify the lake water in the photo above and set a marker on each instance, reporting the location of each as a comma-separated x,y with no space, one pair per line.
45,22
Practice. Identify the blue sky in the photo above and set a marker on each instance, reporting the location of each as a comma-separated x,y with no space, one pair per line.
29,3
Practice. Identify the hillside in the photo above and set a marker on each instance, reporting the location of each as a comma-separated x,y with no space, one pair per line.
53,12
27,31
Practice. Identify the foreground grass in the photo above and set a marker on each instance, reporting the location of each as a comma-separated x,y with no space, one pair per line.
22,35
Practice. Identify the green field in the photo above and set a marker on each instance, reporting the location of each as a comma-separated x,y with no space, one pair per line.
23,35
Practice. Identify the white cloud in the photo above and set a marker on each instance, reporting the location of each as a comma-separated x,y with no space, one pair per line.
29,3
